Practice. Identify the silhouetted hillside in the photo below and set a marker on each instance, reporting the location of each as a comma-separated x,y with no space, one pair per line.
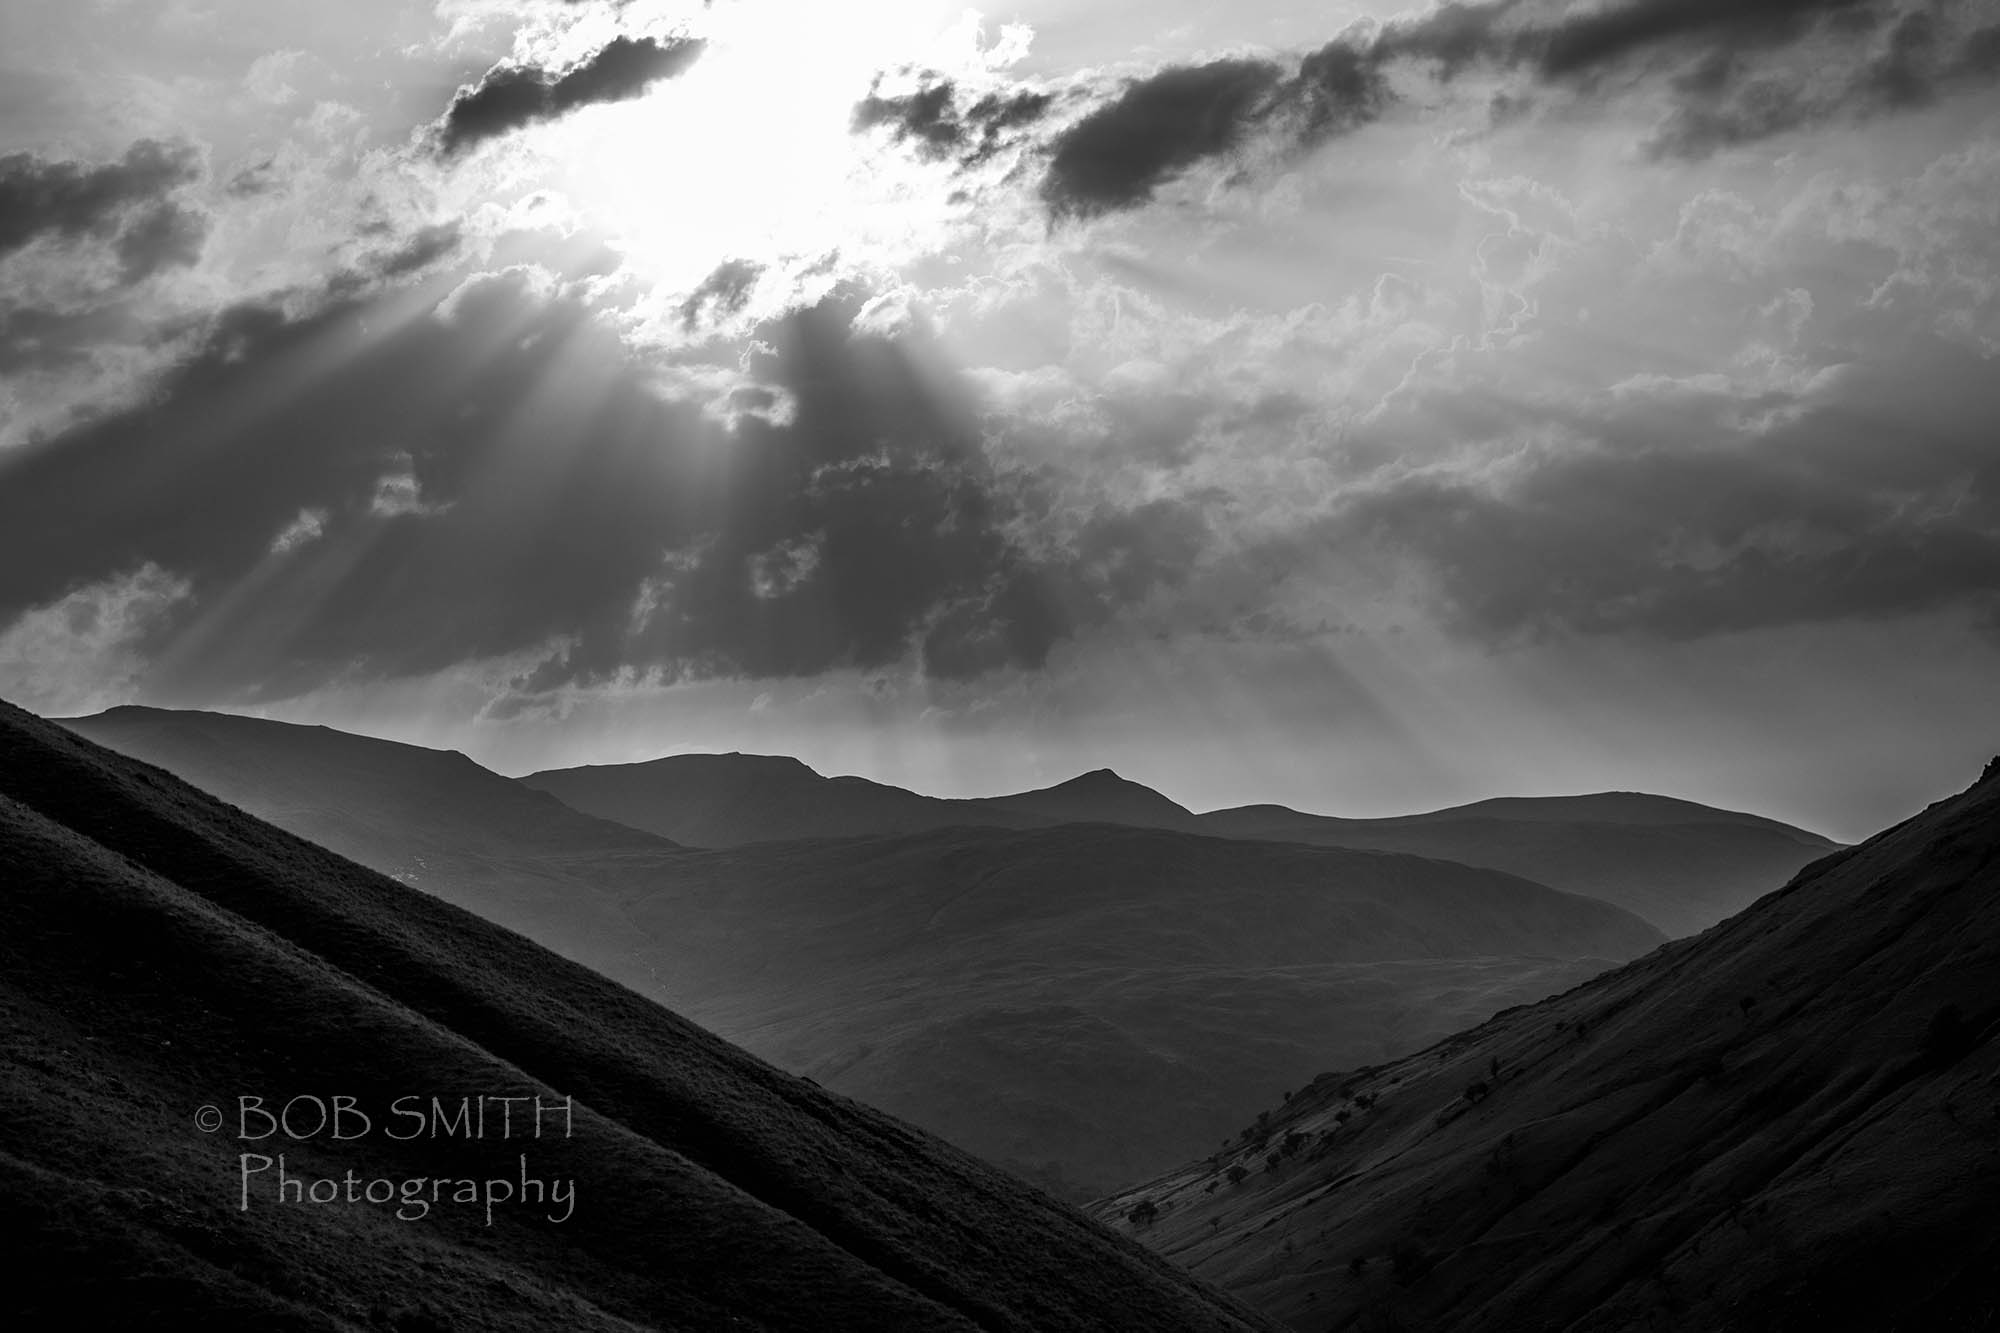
1790,1122
1102,797
164,954
1087,1003
725,800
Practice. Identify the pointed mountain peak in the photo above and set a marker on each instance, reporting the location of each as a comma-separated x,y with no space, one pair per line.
1100,796
1096,777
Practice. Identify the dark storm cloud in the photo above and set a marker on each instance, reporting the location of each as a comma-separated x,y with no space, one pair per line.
166,235
1592,40
1156,128
512,97
929,116
1715,57
125,212
547,492
125,202
1920,55
932,120
1878,499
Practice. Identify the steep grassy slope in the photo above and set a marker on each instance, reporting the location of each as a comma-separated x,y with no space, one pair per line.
1791,1121
1085,1004
430,818
163,952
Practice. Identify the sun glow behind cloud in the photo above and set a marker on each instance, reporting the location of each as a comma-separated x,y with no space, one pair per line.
750,156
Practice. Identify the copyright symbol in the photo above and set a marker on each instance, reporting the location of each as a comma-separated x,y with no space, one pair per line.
208,1119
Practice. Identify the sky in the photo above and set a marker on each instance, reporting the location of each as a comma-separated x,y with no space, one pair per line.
1361,407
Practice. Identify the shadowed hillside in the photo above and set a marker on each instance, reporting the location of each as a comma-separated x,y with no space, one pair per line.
1086,1004
1083,1002
1789,1122
164,953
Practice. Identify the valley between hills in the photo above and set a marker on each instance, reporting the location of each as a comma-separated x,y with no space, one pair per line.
1084,984
1329,1086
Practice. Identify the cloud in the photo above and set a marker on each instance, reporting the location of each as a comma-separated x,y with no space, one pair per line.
74,201
371,492
722,293
399,494
1588,41
85,650
931,118
1728,97
1733,71
81,245
512,97
1115,157
1684,511
166,235
308,527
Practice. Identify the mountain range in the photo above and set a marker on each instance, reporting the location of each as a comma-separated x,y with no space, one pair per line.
1085,1003
1680,865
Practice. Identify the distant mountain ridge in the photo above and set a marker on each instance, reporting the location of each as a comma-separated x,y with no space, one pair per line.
728,800
1604,807
1681,865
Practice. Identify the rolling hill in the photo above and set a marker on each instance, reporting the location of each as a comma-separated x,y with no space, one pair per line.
1789,1122
166,955
726,800
1678,864
1086,1004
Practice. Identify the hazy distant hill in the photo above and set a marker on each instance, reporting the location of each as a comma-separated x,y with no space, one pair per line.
724,800
1790,1122
1087,1003
1084,1002
1680,865
163,953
